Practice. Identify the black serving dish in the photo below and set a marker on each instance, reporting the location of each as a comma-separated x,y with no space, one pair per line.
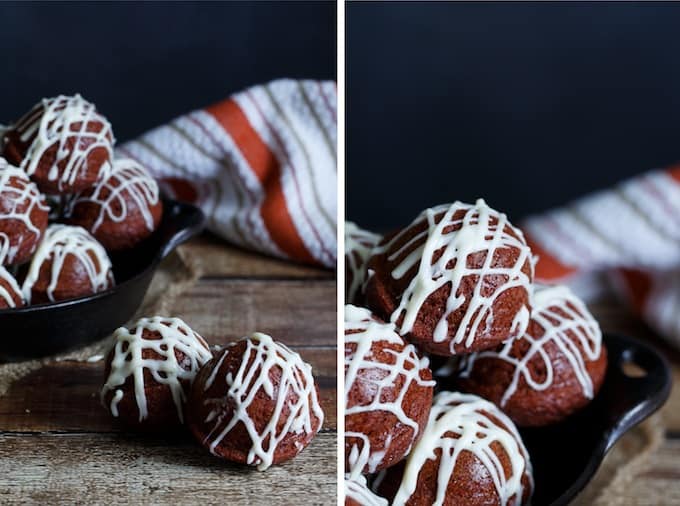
566,456
45,329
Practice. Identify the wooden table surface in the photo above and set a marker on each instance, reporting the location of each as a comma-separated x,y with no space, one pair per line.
59,445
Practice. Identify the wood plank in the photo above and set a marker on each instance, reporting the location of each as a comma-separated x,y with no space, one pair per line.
64,397
298,313
113,469
217,258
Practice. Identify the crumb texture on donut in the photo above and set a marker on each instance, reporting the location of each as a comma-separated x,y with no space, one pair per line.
63,143
68,262
555,368
23,216
120,210
255,403
388,392
470,450
155,352
458,279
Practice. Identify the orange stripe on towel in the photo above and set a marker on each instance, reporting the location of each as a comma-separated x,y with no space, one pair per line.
266,167
674,172
548,267
639,285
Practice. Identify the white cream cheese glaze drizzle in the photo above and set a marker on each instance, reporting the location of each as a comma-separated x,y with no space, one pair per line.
359,244
356,489
127,361
14,290
476,234
362,331
244,383
566,322
464,415
128,180
55,121
61,241
16,191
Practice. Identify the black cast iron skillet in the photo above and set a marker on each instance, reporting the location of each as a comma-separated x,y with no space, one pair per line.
45,329
565,456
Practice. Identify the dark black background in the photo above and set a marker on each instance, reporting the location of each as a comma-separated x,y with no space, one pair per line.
145,63
525,104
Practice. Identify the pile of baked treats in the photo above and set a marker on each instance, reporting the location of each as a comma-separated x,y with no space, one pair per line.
449,347
66,202
253,402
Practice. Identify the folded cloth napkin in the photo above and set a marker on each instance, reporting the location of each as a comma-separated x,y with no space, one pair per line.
261,165
631,232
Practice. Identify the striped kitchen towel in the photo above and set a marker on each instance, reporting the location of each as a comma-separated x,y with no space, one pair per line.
630,232
261,165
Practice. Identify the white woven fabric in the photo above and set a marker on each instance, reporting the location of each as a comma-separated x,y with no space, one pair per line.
261,165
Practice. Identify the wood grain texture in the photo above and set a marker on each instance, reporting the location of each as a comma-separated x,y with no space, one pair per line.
298,312
64,397
220,259
659,483
115,469
58,445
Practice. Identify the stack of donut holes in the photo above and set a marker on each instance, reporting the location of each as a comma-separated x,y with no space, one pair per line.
66,203
252,402
455,289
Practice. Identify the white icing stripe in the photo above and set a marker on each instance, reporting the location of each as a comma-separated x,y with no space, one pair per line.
57,244
128,361
17,191
464,416
14,292
356,490
128,180
261,356
362,331
565,321
476,234
307,217
55,121
359,245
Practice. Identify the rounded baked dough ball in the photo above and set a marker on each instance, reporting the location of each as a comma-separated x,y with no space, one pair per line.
456,280
122,209
255,403
388,393
470,453
69,263
150,369
63,144
552,371
23,215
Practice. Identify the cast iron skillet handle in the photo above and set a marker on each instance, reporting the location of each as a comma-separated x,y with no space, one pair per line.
187,221
631,399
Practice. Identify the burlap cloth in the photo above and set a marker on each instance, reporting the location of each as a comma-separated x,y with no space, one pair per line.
614,482
177,273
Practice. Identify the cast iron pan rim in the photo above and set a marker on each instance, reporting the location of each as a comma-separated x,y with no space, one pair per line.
631,420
